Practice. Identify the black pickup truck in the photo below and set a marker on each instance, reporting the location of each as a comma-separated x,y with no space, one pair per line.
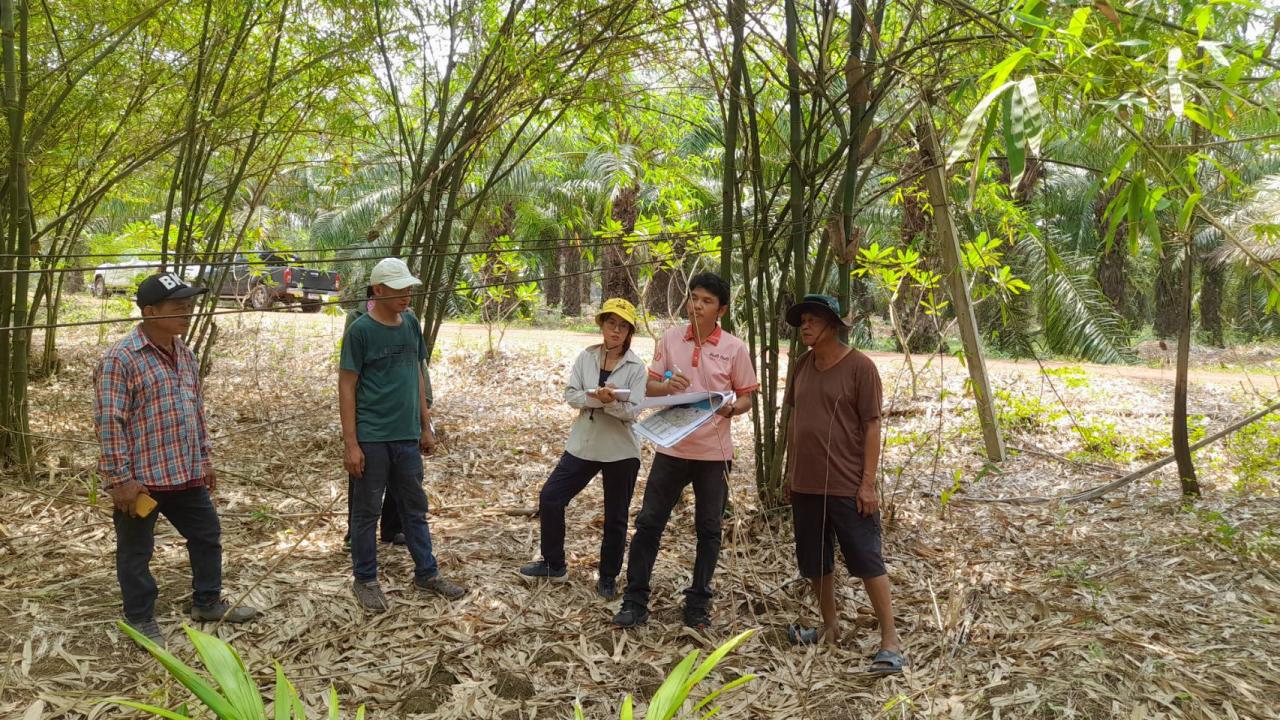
262,279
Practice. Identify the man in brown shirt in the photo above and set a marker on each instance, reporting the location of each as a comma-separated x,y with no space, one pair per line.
833,450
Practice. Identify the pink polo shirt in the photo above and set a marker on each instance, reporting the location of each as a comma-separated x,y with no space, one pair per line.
722,362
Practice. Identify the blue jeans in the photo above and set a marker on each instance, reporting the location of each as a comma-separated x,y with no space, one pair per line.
192,514
396,465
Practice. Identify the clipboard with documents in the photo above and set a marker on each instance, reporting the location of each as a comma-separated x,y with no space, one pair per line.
679,415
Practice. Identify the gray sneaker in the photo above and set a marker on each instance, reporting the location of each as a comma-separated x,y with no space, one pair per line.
223,612
150,629
370,595
440,586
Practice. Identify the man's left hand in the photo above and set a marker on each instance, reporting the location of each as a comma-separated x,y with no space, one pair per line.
210,476
868,499
427,443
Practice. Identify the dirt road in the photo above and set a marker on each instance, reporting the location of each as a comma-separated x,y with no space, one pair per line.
1264,378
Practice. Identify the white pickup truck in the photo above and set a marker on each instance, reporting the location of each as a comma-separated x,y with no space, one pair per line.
260,280
124,276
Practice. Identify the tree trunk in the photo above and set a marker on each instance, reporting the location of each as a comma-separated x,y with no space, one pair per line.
1112,272
1031,177
729,171
1113,278
592,273
661,296
947,240
499,299
1181,437
1168,317
15,443
572,289
919,328
1213,280
552,282
619,278
657,292
795,144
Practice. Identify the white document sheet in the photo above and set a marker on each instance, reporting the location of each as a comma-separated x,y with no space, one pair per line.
680,415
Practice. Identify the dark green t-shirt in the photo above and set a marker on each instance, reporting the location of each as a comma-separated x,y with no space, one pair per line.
387,359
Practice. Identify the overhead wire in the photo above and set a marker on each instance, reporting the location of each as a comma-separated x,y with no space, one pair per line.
371,246
563,243
340,301
292,255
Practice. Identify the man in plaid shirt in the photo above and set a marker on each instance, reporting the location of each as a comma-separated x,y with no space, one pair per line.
149,415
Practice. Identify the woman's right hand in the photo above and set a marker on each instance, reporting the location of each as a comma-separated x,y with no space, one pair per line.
605,394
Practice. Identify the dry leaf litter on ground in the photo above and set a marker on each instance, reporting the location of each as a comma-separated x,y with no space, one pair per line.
1127,607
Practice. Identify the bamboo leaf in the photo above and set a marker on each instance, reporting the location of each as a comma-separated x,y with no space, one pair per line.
1214,50
1115,215
1034,114
1177,103
980,162
1136,207
1079,20
1120,164
1199,117
973,121
1014,149
1021,127
1003,69
1032,20
1202,16
1226,171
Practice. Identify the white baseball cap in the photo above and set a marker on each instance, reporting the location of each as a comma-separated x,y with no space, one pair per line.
394,273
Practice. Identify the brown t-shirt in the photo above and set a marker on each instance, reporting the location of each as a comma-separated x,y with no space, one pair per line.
830,410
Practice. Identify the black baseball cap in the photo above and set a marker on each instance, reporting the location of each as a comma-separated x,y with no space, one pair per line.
165,286
818,305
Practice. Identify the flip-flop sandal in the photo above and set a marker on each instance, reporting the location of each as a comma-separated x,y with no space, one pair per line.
801,635
887,662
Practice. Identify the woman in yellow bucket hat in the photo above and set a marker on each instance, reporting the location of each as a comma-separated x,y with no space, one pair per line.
606,386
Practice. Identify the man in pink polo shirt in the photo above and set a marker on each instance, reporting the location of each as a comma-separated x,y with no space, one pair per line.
699,357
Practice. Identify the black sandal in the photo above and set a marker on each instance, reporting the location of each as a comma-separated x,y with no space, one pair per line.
887,662
801,635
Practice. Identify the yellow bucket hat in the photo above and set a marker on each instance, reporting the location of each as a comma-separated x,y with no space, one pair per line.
619,307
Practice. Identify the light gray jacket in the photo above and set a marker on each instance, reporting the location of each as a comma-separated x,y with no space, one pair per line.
602,433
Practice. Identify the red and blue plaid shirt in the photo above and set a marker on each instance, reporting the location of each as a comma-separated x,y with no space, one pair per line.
149,414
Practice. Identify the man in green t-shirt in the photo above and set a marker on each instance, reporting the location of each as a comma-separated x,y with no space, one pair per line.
386,427
392,532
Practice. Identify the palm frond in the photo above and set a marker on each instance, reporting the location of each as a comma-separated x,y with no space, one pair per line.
1075,316
1254,225
348,225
